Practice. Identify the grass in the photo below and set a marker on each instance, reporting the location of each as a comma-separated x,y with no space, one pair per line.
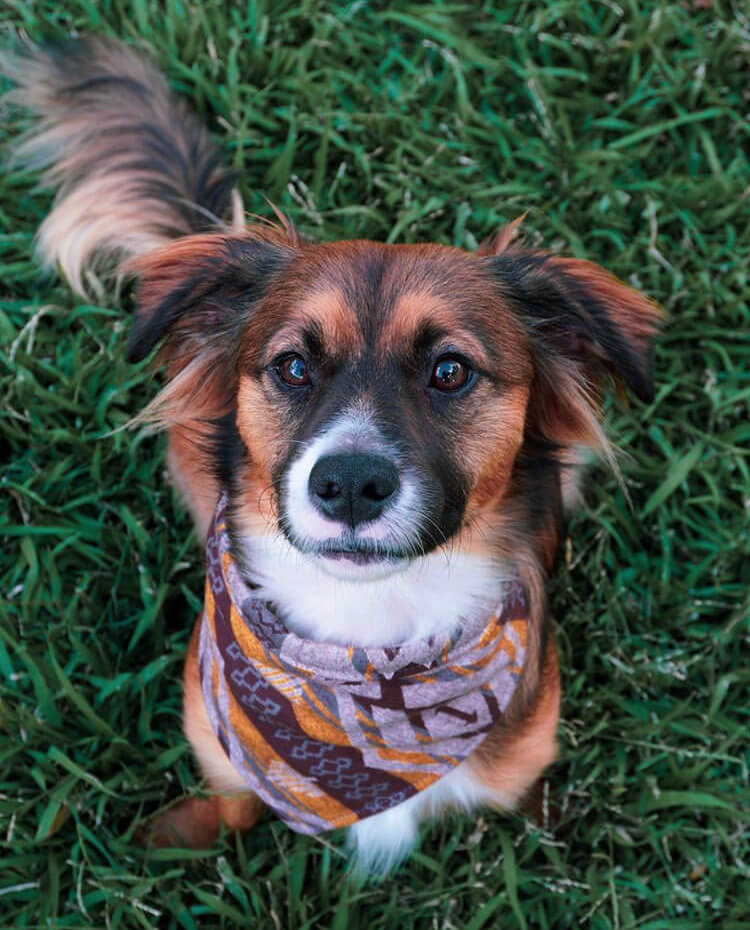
622,129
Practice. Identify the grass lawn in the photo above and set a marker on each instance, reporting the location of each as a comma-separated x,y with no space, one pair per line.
622,128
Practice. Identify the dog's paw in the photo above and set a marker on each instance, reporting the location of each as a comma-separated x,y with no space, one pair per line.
195,823
192,823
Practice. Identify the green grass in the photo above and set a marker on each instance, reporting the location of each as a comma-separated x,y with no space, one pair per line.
622,129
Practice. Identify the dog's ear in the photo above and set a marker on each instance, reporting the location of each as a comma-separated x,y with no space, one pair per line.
195,297
583,324
197,292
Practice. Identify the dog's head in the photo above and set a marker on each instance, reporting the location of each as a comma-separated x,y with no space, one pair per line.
376,403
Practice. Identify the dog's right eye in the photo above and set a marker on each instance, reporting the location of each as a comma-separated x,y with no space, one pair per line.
293,371
450,374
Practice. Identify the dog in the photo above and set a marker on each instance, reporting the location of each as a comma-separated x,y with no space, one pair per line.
378,444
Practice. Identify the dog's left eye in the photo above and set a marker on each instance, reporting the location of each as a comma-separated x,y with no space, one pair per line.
293,370
450,374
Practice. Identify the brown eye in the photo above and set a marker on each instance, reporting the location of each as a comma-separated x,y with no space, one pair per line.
449,374
293,371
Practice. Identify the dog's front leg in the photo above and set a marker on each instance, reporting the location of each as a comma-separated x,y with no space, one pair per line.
195,822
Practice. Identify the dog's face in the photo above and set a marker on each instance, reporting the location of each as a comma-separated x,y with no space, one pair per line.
381,394
382,402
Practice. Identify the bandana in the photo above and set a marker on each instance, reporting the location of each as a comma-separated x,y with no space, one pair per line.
328,734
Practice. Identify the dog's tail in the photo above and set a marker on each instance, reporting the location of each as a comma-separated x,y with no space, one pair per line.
133,166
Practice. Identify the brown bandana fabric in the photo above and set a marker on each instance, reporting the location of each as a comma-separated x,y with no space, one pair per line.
328,734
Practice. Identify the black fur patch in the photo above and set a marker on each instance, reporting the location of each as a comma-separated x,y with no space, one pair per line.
211,302
227,450
570,318
162,136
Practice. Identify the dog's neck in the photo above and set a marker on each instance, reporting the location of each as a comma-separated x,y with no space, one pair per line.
433,593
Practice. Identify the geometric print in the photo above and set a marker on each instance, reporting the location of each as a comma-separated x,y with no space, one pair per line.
327,734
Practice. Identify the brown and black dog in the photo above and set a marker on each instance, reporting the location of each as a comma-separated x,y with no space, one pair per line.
398,428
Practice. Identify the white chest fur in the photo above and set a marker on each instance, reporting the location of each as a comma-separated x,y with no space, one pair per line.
431,594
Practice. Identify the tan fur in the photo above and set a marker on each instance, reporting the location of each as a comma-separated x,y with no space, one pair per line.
510,761
415,309
502,238
84,223
195,822
88,139
492,448
187,469
259,426
327,309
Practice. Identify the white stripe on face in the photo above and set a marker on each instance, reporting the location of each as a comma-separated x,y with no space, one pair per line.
396,529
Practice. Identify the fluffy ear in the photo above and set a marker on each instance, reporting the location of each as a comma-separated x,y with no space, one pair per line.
195,297
584,323
198,290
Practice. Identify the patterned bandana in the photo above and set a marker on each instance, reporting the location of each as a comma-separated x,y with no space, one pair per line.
327,734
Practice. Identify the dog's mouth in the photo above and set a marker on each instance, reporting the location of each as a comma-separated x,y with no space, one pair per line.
353,557
357,551
348,547
355,563
359,556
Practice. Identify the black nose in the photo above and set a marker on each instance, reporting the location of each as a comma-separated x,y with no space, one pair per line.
353,488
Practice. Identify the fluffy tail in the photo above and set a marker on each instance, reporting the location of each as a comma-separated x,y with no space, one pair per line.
133,166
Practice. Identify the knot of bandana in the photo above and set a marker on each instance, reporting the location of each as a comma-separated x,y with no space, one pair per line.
328,734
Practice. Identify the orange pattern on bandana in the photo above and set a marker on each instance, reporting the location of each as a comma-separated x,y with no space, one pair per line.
327,734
